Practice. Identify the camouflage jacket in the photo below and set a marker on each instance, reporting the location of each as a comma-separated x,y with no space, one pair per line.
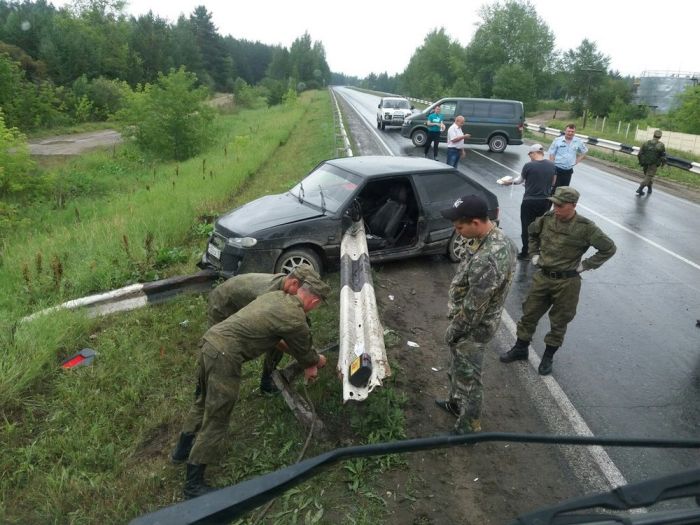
561,244
652,152
479,289
256,328
236,292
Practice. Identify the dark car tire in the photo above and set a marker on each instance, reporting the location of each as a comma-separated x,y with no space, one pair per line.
419,138
296,256
455,248
379,125
383,125
498,143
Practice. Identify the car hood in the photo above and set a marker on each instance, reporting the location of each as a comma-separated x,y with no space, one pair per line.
265,212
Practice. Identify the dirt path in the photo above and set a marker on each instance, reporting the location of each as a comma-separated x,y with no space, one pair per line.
74,144
484,484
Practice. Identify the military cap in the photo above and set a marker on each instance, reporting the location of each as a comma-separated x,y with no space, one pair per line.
303,272
317,287
657,134
467,207
564,194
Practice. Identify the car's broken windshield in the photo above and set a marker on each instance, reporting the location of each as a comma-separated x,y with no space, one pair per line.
326,187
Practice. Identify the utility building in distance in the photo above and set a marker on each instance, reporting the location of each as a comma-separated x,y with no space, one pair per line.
660,89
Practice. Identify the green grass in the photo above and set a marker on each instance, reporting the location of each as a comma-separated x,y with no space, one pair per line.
91,445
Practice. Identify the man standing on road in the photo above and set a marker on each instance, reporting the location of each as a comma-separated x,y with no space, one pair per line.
566,151
475,302
538,176
435,127
244,336
455,141
652,154
558,241
240,290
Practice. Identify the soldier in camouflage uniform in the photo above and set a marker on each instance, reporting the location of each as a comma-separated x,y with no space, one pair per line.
652,154
244,336
475,302
558,241
238,291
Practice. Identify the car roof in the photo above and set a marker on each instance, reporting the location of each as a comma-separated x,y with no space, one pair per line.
394,98
372,166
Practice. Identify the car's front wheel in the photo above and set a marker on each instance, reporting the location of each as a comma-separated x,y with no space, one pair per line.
296,256
457,247
419,137
498,143
383,125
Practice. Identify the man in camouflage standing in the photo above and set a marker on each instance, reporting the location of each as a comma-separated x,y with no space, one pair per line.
558,241
244,336
475,302
652,154
238,291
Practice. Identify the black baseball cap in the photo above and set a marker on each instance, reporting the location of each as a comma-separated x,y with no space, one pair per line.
467,207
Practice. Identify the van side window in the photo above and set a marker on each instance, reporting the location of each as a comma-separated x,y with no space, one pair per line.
466,109
502,110
448,109
481,109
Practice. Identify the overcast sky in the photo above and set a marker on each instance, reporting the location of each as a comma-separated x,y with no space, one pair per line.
376,36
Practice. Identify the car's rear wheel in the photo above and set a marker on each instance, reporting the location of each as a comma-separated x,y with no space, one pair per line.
296,256
419,137
498,143
457,247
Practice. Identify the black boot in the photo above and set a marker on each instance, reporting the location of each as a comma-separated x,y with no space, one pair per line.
267,385
649,190
517,353
545,367
194,482
640,190
182,450
448,406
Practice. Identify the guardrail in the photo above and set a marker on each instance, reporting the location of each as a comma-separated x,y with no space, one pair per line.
341,127
616,146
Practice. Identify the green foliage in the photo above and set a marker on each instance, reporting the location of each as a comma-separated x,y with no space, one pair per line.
686,117
15,163
169,118
512,81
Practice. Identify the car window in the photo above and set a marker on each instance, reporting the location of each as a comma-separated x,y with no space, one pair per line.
403,104
445,187
448,109
502,110
466,109
327,187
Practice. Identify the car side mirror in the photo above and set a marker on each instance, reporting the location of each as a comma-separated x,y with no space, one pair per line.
413,107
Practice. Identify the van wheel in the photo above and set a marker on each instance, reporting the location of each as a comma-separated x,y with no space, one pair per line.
419,137
383,125
296,256
498,143
379,125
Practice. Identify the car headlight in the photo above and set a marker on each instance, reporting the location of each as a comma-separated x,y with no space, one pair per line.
407,122
241,242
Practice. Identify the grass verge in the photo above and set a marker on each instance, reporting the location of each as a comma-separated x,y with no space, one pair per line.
91,444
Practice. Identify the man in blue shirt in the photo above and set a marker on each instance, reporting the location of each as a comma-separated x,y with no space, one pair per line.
435,126
566,151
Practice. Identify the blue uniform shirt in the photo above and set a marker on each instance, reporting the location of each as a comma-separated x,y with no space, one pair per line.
434,120
565,152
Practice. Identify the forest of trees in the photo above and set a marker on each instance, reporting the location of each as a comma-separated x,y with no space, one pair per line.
61,66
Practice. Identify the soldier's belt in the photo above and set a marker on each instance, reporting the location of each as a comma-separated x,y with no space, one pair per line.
566,274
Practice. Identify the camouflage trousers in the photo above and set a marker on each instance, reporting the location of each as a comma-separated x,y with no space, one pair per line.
649,173
560,297
218,381
466,388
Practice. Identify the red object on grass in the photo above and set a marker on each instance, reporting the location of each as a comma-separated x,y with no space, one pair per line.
82,358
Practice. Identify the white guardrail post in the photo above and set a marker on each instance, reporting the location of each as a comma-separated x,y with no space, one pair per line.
361,331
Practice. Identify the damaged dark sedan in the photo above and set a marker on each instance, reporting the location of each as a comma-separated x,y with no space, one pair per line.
399,199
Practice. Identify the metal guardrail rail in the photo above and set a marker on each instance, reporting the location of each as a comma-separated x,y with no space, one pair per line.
616,146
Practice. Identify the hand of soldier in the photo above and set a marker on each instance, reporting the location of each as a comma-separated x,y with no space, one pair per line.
310,374
321,361
535,260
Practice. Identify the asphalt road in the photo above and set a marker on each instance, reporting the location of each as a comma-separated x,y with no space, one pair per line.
630,364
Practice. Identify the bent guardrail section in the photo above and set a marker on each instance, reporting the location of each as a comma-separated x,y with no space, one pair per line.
676,162
360,328
135,295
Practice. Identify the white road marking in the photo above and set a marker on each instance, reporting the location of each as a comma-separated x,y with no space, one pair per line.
617,224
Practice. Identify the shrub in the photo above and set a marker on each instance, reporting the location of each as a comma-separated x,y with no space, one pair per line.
15,163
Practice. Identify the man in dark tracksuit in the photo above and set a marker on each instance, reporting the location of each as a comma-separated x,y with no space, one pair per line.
558,240
240,290
244,336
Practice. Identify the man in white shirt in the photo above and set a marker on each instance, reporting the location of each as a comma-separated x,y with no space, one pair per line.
455,141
